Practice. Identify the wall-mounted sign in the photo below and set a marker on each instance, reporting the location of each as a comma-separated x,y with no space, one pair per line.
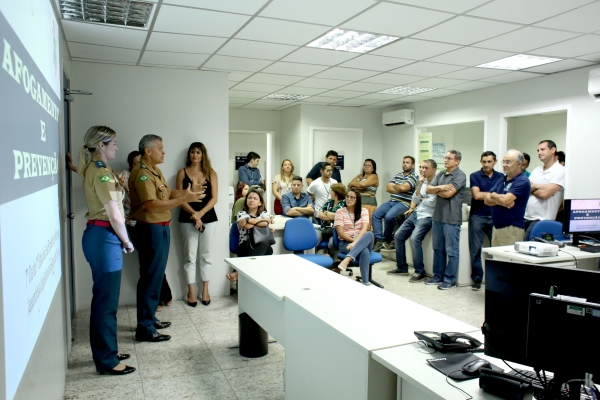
340,161
240,159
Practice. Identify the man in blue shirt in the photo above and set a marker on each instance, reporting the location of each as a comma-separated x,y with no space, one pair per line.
508,200
480,218
295,203
315,172
249,173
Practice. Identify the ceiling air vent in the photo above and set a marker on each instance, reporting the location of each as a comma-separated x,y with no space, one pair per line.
114,12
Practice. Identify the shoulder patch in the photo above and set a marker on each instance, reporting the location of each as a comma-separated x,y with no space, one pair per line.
104,178
143,178
99,164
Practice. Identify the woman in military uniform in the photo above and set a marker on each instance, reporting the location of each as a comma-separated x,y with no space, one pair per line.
104,241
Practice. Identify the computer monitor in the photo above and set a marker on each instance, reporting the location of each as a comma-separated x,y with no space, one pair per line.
507,289
581,216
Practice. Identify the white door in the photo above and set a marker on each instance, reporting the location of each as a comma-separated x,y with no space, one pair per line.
347,142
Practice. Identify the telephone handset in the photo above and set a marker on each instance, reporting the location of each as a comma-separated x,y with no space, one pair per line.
449,341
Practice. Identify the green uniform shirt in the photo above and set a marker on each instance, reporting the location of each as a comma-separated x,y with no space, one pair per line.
145,184
101,185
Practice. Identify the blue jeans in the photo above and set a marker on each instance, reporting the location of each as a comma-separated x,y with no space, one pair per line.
416,229
446,243
478,225
362,252
387,211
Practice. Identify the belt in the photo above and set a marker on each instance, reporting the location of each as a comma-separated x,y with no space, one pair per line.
99,222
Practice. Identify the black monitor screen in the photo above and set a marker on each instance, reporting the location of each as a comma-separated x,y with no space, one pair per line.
507,289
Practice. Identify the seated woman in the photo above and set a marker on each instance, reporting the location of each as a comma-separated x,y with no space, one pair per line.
327,212
253,214
367,183
282,184
351,223
239,203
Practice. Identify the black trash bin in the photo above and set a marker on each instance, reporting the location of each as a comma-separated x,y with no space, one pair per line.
254,340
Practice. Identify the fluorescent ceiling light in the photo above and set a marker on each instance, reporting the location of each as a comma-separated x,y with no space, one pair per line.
406,90
115,12
280,96
354,42
520,61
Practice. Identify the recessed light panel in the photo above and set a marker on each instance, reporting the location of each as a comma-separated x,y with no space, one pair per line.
114,12
354,42
406,90
280,96
518,62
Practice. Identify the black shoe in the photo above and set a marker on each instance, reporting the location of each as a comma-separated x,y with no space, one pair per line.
378,246
476,286
126,371
161,325
397,272
157,337
122,357
205,302
417,277
192,304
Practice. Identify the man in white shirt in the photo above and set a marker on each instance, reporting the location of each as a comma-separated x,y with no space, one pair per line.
547,187
320,188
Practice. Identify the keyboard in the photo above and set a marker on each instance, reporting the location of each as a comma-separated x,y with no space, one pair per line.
531,377
590,248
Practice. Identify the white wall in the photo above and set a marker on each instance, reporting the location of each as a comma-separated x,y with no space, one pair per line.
557,90
182,106
524,133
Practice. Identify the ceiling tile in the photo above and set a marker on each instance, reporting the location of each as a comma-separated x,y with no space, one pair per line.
319,56
251,49
583,19
324,99
236,63
105,35
470,56
466,30
415,98
571,48
366,87
473,74
303,90
512,77
525,12
344,94
232,83
235,100
424,68
525,39
111,62
559,66
387,104
437,83
591,57
253,106
454,6
178,59
236,6
393,79
257,87
237,76
94,52
395,19
472,85
247,95
443,92
345,73
198,22
286,68
379,96
274,79
184,43
414,49
277,103
376,63
356,102
326,12
286,32
317,83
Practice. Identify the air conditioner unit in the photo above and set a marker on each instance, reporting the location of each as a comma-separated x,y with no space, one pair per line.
594,84
399,117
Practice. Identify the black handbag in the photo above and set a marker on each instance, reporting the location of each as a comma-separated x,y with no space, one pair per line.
262,233
327,233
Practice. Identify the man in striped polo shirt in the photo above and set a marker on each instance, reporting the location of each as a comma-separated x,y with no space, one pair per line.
402,187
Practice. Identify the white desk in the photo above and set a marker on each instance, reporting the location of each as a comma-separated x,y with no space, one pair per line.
564,258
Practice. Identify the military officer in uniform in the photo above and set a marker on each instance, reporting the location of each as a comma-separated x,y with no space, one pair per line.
104,241
151,204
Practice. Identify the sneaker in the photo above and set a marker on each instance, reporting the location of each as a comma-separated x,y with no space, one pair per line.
389,246
446,286
397,272
433,281
417,277
378,246
476,286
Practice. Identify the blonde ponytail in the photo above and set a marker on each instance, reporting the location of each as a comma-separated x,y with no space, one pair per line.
93,137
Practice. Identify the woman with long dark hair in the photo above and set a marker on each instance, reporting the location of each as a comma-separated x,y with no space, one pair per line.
366,183
198,220
352,224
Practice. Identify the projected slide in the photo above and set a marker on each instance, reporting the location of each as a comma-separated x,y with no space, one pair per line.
585,216
30,251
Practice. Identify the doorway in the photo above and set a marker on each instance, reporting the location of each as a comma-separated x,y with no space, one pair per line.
346,141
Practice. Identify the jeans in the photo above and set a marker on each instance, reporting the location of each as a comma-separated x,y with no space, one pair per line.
416,229
362,252
195,242
446,243
478,226
387,211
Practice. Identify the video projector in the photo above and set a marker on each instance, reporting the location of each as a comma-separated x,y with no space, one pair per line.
537,249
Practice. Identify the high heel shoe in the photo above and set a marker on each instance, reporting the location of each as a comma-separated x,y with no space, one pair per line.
191,303
205,302
122,356
125,371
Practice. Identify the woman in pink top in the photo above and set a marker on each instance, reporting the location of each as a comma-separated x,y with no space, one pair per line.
351,224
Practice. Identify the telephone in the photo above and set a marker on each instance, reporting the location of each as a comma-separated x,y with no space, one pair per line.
455,342
548,238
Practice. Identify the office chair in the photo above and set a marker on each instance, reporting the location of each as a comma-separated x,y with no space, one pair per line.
234,238
373,259
553,227
298,235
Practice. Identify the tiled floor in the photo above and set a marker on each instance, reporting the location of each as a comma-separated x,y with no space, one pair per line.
200,361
